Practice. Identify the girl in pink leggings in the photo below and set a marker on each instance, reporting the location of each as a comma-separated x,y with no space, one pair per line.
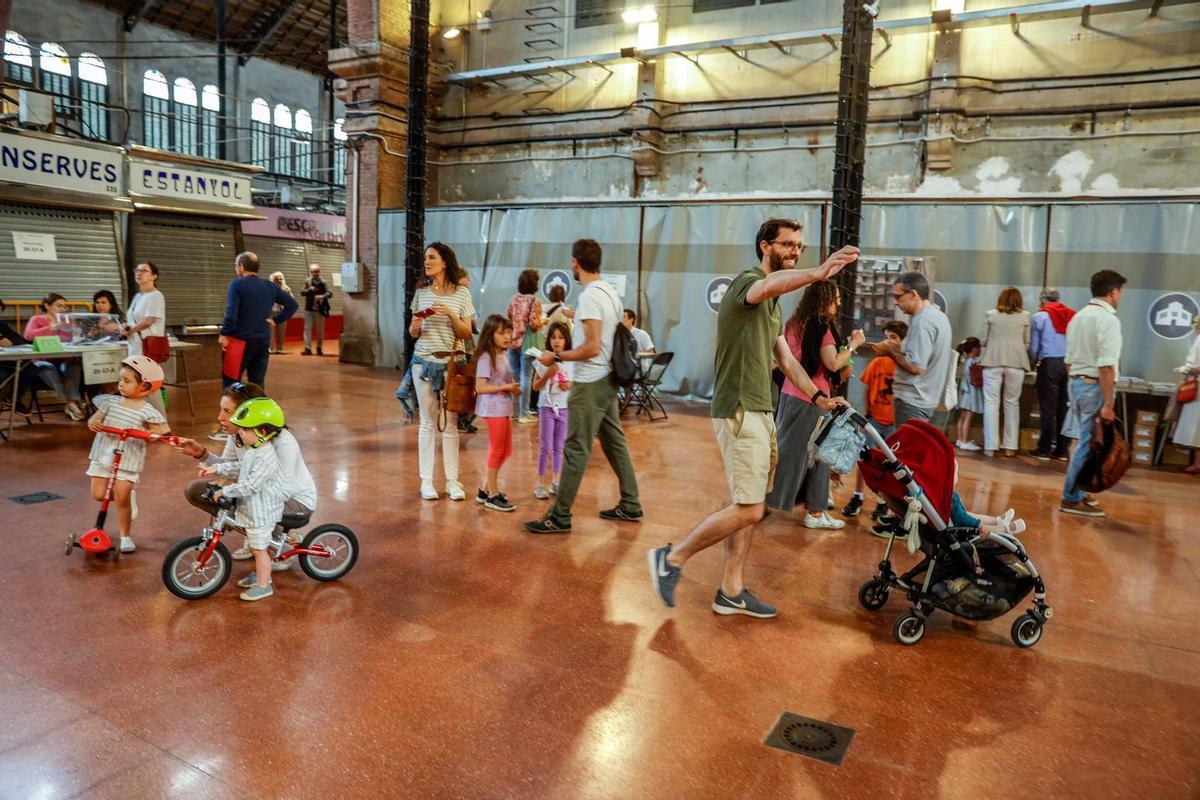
495,389
554,385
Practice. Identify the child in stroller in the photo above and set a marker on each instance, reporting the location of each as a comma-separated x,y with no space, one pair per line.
976,569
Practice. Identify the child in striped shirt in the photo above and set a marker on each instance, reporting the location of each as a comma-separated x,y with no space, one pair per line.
260,488
138,379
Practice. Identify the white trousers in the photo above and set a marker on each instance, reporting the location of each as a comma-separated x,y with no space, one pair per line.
1006,382
427,433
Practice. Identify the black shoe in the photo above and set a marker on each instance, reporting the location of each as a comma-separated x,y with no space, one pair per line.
306,352
481,497
1062,456
663,576
745,603
498,502
881,510
320,352
547,524
854,507
620,515
1040,456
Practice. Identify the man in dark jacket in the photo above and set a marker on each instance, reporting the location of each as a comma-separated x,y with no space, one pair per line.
316,308
251,301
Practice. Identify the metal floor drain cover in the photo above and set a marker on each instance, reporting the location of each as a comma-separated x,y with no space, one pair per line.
821,741
36,497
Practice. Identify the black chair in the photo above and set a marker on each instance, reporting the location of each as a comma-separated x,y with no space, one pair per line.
643,390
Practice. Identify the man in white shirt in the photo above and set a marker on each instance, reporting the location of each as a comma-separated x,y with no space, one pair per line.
644,343
592,408
1093,354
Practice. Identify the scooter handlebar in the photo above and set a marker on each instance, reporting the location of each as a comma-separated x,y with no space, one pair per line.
135,433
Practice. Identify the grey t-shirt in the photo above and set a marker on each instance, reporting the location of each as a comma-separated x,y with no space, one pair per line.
927,346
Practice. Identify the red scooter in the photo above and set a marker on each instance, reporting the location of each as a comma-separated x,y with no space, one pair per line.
96,540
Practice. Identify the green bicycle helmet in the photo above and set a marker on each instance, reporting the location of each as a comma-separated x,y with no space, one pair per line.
258,411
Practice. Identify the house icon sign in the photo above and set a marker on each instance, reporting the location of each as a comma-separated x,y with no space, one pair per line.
1170,316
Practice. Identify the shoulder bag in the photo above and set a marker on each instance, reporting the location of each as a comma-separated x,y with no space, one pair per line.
458,395
156,348
1107,460
1187,391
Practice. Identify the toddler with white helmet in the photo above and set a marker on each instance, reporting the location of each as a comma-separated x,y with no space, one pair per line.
139,378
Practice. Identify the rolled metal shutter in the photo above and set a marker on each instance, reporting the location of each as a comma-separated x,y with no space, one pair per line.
194,256
86,245
281,255
330,259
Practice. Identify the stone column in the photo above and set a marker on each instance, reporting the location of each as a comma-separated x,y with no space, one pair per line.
372,80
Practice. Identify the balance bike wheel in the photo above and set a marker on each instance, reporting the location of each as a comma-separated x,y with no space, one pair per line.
184,577
340,541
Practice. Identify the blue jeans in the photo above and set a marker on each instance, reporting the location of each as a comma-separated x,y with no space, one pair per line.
1084,401
521,366
904,411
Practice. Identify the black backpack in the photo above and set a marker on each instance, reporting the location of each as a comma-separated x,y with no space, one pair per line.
625,365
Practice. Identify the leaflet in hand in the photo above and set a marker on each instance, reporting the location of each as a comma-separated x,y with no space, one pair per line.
532,352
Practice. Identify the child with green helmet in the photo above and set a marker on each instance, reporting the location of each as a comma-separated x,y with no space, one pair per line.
260,488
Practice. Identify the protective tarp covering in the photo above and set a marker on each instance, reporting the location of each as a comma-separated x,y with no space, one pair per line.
976,251
464,230
1155,246
541,239
689,255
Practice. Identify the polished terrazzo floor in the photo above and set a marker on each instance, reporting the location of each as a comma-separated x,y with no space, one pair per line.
463,658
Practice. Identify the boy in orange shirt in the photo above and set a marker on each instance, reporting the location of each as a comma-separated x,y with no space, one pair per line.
878,379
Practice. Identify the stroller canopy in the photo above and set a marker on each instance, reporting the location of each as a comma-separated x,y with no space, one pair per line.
927,453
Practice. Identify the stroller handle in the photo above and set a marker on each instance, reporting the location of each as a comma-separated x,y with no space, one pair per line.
136,433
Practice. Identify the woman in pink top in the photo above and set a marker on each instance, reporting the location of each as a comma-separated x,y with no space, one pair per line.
63,376
813,336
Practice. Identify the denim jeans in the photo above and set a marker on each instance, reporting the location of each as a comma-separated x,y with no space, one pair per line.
521,366
905,411
1083,406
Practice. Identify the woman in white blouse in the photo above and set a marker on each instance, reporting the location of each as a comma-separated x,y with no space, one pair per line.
1187,429
147,316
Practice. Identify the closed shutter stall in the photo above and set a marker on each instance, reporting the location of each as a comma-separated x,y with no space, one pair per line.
85,244
330,259
194,256
281,255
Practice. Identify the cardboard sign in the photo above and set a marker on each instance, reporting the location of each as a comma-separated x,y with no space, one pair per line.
103,366
47,344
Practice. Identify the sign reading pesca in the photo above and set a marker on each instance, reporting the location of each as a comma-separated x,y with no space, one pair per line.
60,165
157,179
287,224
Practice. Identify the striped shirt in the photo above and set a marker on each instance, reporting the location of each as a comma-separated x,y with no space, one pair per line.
437,335
260,489
117,414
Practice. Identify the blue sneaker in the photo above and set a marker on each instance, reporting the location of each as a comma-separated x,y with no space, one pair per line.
664,576
745,603
257,592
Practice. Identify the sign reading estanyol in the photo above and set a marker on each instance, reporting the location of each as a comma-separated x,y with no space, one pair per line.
57,164
161,179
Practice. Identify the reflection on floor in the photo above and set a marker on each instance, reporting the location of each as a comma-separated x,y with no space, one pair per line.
463,658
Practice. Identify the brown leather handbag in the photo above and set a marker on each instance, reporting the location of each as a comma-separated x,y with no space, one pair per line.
1107,460
458,395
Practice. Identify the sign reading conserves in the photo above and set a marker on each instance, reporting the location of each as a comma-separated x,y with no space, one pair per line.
35,161
159,179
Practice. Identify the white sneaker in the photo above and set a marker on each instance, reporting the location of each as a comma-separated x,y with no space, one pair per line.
528,419
133,509
455,491
127,545
823,521
281,566
428,492
970,447
540,492
242,554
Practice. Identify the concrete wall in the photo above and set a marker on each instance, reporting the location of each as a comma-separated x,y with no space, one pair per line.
1022,125
73,23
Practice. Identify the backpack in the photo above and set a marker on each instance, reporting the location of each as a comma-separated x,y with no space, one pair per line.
1107,459
625,365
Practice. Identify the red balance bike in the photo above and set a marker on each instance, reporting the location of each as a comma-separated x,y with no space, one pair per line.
96,540
199,566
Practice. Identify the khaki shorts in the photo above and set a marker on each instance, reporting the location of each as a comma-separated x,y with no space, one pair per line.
750,453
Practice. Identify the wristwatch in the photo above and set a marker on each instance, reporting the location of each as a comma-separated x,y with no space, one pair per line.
557,359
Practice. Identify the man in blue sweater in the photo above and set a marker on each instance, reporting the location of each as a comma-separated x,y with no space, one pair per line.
250,306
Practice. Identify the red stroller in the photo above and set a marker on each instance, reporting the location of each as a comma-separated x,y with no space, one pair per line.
963,572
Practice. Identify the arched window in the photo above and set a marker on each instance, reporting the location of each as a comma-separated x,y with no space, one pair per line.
156,117
282,117
18,58
186,116
210,112
93,97
339,152
55,67
302,145
260,133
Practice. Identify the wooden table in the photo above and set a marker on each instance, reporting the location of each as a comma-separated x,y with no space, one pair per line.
21,355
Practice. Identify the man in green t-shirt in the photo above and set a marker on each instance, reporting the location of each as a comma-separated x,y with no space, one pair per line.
749,336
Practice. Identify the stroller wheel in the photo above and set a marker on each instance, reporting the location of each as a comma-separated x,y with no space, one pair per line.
873,595
908,628
1026,631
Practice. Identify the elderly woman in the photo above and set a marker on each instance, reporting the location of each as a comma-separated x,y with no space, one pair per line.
1005,360
1187,429
279,280
63,376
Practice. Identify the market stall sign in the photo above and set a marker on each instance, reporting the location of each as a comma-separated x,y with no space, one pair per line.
173,182
34,246
284,223
34,161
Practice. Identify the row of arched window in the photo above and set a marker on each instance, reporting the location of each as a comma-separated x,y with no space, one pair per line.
174,115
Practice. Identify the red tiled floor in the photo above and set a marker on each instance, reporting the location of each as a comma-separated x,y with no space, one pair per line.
465,659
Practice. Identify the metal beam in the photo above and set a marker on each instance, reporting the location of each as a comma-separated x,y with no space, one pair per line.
268,27
134,11
1061,9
